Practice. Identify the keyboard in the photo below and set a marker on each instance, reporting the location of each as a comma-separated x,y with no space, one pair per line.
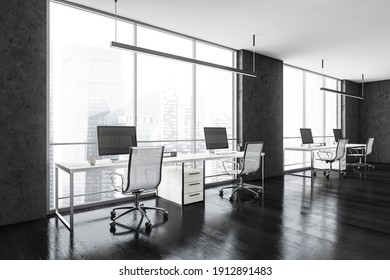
225,153
120,160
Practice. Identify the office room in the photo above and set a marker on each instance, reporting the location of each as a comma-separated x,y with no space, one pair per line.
237,133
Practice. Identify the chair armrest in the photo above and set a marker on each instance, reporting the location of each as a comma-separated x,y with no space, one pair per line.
325,155
357,151
229,161
113,175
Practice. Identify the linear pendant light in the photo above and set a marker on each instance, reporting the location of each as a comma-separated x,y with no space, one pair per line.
323,88
117,45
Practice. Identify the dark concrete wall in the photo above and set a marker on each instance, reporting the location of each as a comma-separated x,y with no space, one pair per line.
260,108
22,110
352,112
375,119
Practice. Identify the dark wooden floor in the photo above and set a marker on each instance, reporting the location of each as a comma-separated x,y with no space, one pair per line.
332,219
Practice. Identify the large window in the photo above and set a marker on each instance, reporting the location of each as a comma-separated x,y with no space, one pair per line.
92,84
306,106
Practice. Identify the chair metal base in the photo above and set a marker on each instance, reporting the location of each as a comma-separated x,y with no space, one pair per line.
360,165
326,172
242,186
137,207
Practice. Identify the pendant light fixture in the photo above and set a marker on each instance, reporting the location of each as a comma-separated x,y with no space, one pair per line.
323,88
122,46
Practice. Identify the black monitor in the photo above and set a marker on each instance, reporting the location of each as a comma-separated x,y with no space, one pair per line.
306,136
216,138
338,134
115,140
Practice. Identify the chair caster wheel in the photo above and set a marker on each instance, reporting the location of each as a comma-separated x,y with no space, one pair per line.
148,225
165,215
327,176
221,193
112,226
113,215
230,198
324,173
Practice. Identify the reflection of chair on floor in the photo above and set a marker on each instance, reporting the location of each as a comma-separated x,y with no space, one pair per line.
144,175
332,156
360,153
250,165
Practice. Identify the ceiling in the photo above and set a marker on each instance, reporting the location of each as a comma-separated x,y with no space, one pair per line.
352,36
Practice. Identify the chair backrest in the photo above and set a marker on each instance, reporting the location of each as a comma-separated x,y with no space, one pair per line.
252,157
144,169
340,150
369,146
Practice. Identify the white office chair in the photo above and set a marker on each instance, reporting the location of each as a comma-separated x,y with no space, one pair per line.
332,156
360,153
144,175
250,165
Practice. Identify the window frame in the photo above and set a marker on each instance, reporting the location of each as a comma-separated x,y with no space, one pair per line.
51,144
306,158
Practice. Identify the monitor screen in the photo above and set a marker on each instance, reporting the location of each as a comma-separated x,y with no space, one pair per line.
306,136
216,138
338,134
115,140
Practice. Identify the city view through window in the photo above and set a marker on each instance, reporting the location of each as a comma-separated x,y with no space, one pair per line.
92,84
306,106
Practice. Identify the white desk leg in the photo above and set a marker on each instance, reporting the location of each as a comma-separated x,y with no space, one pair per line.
62,219
204,184
71,198
262,172
312,164
182,185
56,189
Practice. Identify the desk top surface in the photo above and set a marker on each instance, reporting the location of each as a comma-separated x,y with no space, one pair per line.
81,166
317,148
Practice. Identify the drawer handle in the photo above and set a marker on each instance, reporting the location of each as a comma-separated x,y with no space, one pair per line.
196,173
193,184
195,194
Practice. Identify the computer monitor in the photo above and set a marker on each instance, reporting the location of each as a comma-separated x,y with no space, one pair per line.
216,138
306,136
115,140
338,134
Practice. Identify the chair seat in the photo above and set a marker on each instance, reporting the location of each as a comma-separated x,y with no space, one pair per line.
137,191
329,161
233,172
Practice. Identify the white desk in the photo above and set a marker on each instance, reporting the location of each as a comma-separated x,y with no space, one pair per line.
75,167
313,149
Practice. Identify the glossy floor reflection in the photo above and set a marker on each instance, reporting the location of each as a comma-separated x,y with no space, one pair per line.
332,218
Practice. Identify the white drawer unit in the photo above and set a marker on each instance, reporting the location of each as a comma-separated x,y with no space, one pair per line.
193,187
181,186
193,197
193,175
